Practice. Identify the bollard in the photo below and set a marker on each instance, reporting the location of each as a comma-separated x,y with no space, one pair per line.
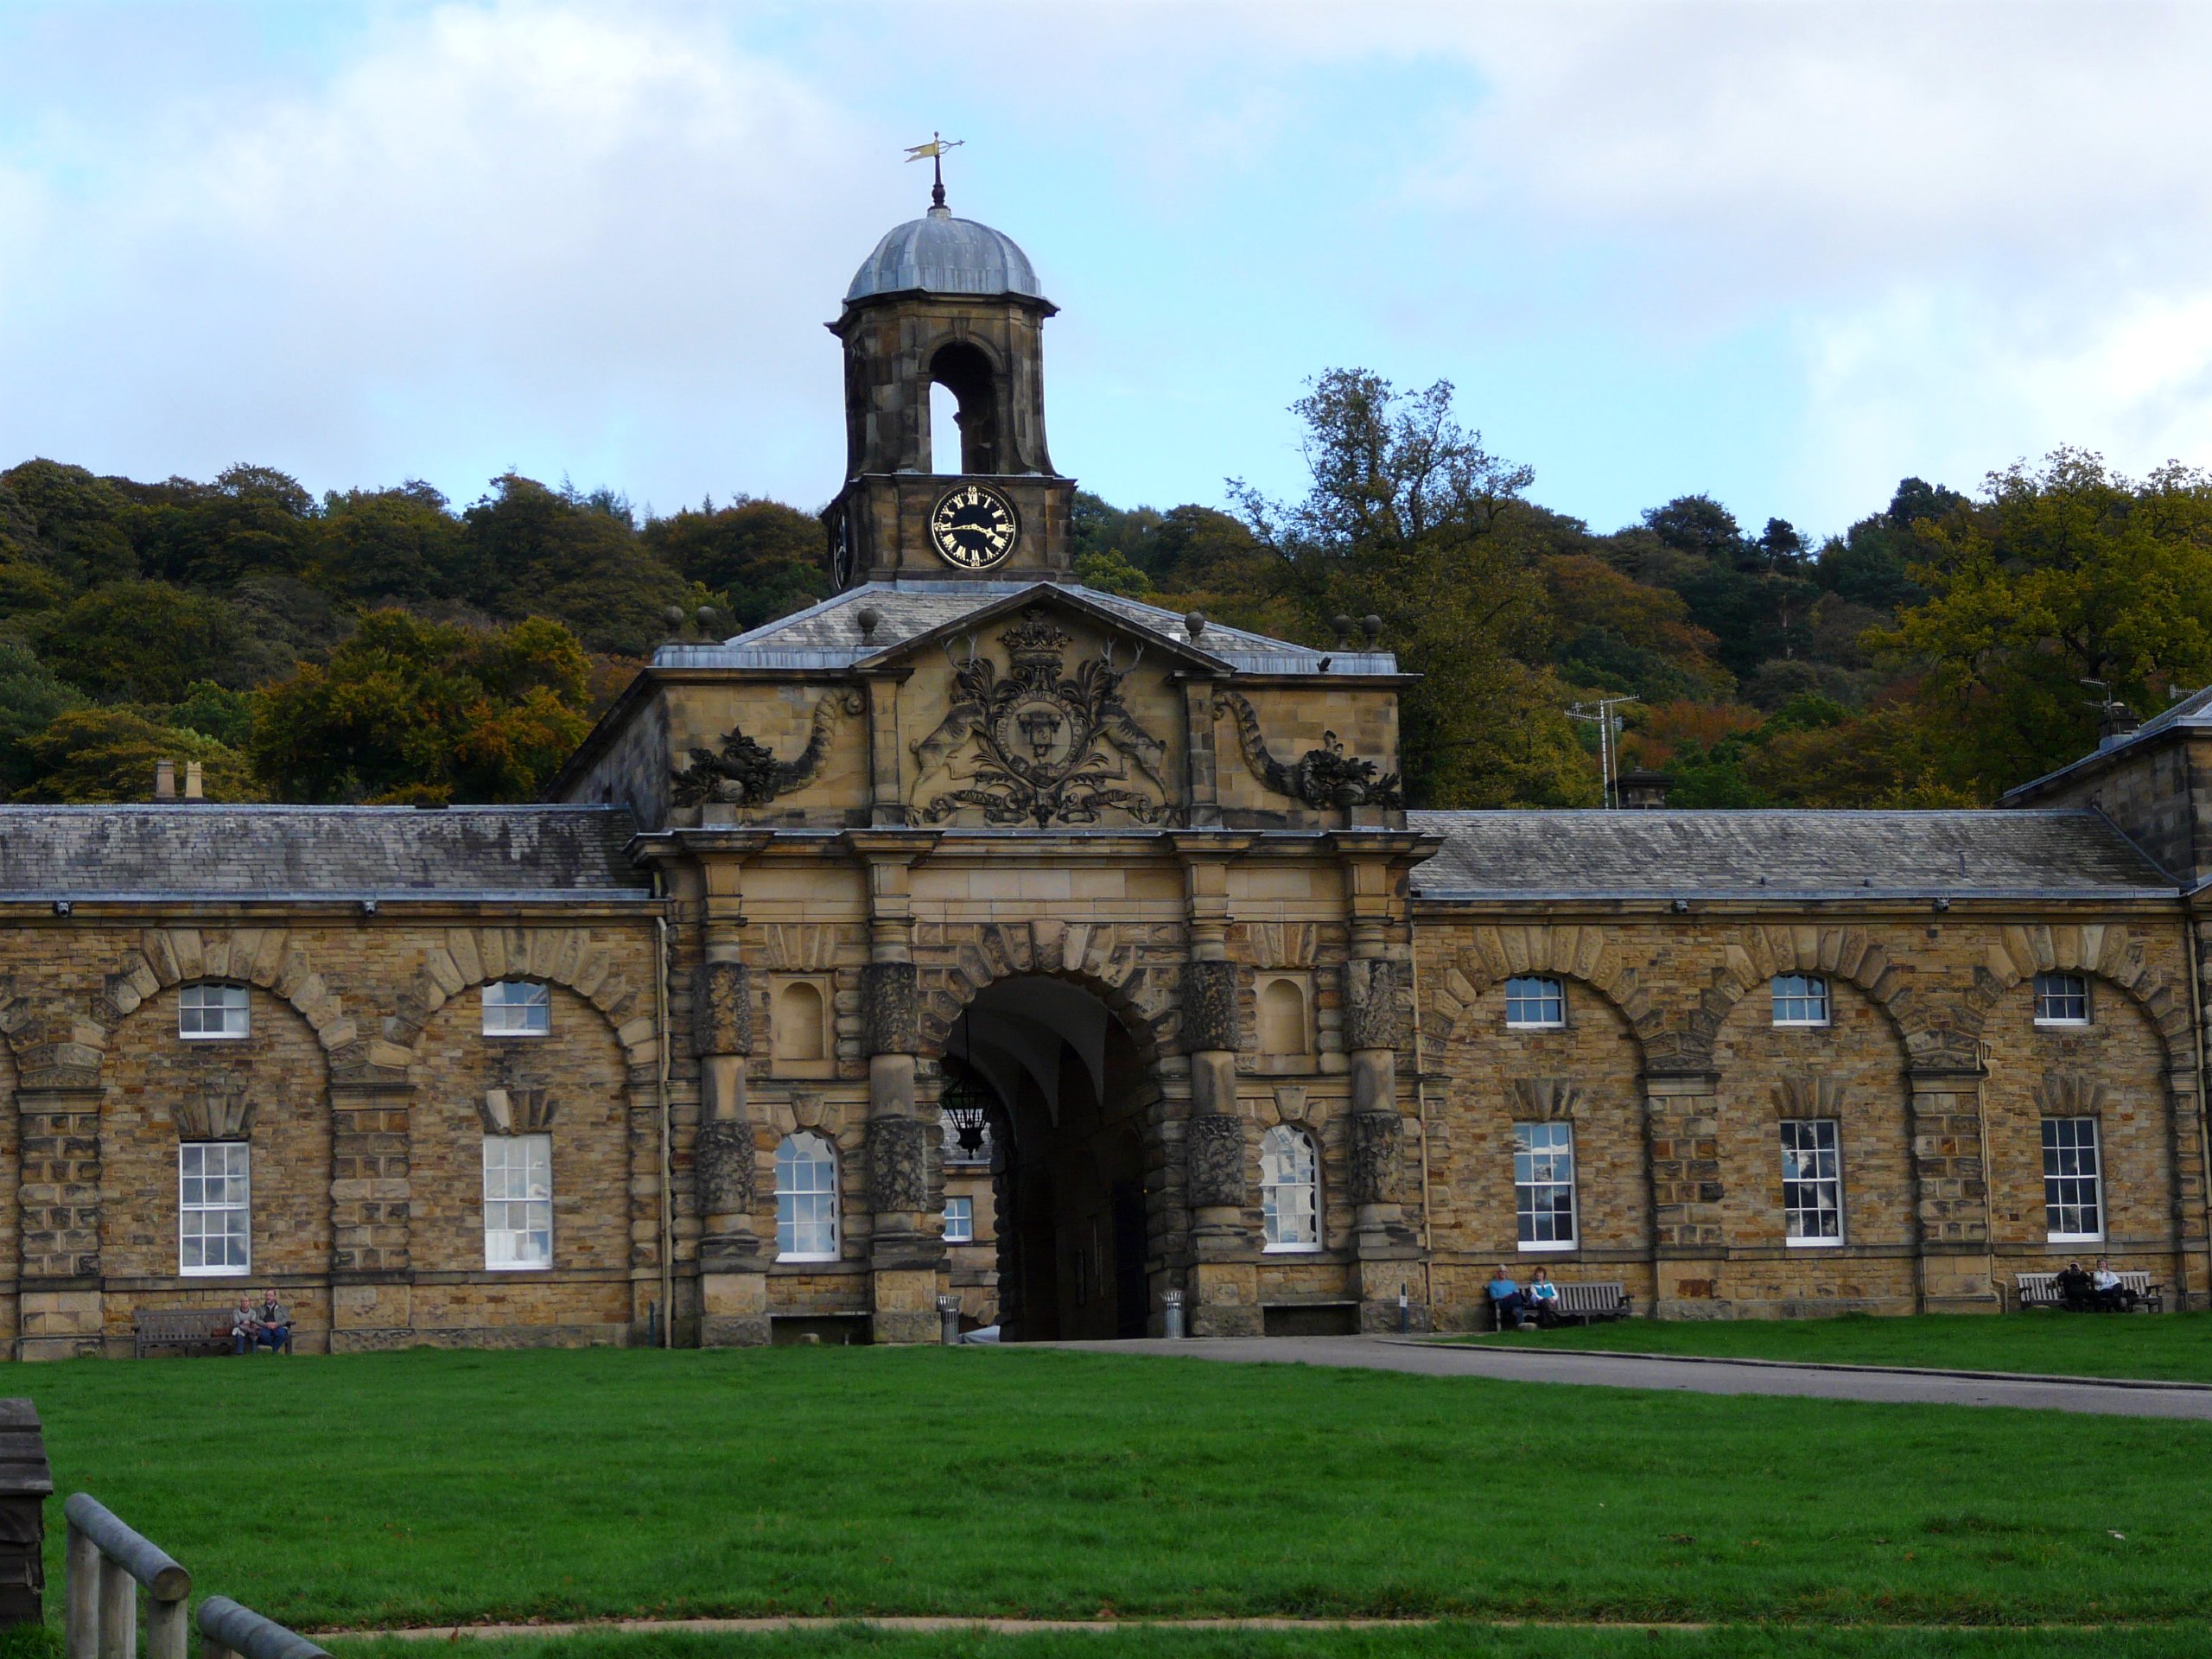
1405,1312
1171,1310
948,1315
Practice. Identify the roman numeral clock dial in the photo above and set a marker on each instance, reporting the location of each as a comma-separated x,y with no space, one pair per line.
973,527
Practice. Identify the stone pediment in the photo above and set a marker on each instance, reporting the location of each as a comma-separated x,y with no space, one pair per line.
1052,598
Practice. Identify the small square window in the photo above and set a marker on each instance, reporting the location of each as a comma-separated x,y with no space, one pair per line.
518,1008
960,1221
212,1012
2061,1000
1534,1004
1800,999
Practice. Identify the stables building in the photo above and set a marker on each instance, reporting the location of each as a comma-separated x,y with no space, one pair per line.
974,933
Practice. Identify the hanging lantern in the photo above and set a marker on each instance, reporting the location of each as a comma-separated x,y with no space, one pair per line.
967,1106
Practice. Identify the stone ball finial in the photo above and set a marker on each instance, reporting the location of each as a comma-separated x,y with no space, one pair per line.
1372,628
1194,623
1343,626
707,615
674,616
868,617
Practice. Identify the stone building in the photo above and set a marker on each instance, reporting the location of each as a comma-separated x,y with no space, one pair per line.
1102,932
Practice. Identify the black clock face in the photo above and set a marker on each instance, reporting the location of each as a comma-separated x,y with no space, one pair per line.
973,527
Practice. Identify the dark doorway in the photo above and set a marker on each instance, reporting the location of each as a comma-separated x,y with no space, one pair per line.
1071,1191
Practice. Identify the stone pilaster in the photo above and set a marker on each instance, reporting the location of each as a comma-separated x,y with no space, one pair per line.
2193,1240
1388,1248
733,1279
906,1259
58,1138
1951,1194
1225,1302
1689,1240
372,1198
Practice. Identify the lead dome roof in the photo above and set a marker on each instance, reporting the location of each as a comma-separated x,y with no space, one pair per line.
939,254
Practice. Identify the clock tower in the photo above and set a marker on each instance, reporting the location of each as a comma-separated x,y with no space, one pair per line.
946,301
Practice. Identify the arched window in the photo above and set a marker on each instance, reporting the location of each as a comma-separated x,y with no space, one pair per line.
961,368
796,1030
1290,1190
806,1199
1282,1017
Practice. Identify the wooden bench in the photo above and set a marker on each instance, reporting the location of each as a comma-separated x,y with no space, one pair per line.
186,1330
2041,1290
1584,1304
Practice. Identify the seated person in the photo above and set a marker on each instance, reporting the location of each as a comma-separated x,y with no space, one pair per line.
2073,1288
1510,1308
1542,1296
2112,1296
273,1325
243,1327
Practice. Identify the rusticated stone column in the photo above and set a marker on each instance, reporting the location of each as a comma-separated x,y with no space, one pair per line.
58,1150
1387,1249
906,1248
732,1281
1225,1303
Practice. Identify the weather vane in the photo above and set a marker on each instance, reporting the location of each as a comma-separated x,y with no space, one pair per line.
934,152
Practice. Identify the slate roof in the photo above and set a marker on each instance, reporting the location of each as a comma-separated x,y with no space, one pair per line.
1803,855
939,254
317,852
828,635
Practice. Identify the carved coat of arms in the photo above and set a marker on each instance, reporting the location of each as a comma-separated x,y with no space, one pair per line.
1040,745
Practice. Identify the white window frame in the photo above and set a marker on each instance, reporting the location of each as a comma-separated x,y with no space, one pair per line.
193,1205
960,1215
1821,1139
1807,988
2054,1207
809,1154
2055,988
225,1001
1545,992
518,1008
517,1188
1290,1192
1537,1175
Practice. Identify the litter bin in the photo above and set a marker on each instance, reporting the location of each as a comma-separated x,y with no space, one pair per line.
26,1482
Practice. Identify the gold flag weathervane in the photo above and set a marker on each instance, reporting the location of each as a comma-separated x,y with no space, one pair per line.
934,152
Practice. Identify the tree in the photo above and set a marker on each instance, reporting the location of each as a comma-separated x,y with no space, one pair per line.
761,558
385,544
407,709
75,522
109,754
30,699
531,551
147,642
1400,523
2061,574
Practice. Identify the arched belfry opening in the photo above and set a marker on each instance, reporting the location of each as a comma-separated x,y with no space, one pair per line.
1072,1192
963,370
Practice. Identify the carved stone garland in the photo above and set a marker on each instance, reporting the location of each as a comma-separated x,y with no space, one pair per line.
1319,779
747,774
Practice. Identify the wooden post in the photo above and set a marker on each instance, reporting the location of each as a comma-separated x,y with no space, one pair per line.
168,1632
81,1572
118,1612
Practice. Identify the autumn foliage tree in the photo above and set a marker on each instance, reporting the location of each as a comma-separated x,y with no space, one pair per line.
410,711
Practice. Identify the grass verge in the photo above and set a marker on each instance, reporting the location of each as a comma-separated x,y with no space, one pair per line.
430,1487
2174,1347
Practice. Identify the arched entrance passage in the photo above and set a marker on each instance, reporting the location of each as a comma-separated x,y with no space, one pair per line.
1072,1102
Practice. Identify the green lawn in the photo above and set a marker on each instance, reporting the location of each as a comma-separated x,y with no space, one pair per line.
1438,1642
2173,1347
428,1486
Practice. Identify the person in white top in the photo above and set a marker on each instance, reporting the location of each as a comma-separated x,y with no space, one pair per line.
2112,1295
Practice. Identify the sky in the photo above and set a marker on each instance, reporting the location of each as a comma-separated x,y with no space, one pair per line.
1782,253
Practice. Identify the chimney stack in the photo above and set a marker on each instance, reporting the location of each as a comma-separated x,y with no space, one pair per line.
1642,788
193,790
165,780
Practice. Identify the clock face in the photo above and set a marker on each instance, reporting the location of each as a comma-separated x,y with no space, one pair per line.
973,527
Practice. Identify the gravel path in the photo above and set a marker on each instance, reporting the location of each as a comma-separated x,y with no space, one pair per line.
1890,1385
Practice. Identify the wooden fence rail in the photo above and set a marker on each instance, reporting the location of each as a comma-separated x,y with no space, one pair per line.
106,1563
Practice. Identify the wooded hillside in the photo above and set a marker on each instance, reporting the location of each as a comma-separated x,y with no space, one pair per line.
382,645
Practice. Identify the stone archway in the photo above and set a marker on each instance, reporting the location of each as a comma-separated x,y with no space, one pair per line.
1074,1192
